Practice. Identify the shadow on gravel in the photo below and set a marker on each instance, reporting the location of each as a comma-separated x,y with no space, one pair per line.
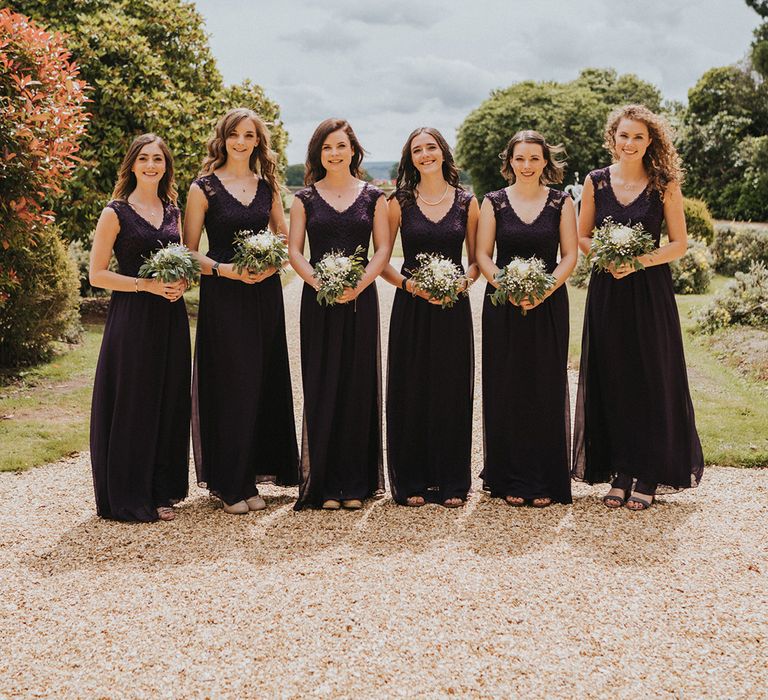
485,527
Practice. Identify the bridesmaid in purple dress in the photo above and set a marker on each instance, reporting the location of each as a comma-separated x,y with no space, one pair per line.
430,378
243,430
140,408
635,424
341,453
526,416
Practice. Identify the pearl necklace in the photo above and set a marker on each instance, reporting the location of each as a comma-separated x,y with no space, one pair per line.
433,204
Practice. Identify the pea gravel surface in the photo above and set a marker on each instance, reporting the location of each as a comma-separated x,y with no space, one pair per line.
483,601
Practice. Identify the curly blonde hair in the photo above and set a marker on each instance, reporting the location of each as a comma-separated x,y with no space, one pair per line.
263,159
661,161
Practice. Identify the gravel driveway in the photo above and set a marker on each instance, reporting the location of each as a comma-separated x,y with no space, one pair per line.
485,601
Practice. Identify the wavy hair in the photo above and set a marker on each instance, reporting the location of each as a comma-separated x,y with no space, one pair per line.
661,160
313,167
553,170
408,175
126,180
263,160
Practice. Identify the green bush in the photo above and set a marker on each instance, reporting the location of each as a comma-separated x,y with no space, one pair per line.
581,273
698,221
736,246
743,301
43,307
692,274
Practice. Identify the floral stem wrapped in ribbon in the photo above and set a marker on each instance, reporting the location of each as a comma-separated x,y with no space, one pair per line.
257,252
335,271
170,264
439,277
520,279
616,244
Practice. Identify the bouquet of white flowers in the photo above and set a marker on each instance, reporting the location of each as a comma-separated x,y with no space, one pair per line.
171,263
522,279
617,244
256,252
335,271
440,278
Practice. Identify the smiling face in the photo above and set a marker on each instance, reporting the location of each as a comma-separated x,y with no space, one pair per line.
528,162
241,140
336,152
149,165
631,140
426,154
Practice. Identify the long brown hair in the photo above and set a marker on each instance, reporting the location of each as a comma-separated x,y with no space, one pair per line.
553,170
263,159
408,175
313,167
661,161
126,180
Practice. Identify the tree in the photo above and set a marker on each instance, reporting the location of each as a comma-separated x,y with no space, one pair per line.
571,113
294,175
152,70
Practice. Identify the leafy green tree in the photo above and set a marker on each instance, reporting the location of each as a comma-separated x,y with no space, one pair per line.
151,68
294,175
570,113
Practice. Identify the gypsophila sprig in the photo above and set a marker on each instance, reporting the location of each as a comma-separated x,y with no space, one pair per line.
335,271
521,279
617,244
171,263
257,252
440,277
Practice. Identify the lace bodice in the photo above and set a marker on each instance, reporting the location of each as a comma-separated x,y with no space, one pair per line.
420,234
138,239
226,215
647,209
515,237
329,229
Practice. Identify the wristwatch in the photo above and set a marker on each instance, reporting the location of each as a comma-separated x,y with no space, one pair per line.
215,269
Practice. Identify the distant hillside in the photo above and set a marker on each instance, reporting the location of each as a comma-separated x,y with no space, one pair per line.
378,169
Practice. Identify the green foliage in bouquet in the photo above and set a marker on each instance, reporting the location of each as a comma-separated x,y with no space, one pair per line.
440,278
617,244
522,279
258,251
336,271
171,263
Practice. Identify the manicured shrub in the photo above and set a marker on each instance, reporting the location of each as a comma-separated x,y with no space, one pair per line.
736,246
43,305
692,274
698,221
744,301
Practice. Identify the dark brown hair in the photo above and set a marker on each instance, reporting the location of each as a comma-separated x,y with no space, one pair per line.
263,159
313,167
126,180
553,170
661,161
408,175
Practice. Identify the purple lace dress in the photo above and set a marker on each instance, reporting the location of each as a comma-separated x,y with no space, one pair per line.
633,410
140,407
526,415
341,452
430,377
243,429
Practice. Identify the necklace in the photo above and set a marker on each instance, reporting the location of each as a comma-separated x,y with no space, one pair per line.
630,186
152,214
433,204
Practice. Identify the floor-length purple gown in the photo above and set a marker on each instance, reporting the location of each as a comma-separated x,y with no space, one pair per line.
633,409
341,452
243,430
430,376
526,414
141,404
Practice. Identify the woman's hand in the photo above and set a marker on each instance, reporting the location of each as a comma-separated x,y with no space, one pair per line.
349,294
619,271
172,291
246,275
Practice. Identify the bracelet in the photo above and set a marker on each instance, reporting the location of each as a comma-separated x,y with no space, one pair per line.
136,284
215,269
404,284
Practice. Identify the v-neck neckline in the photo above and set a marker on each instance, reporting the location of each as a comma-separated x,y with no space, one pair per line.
538,216
340,211
147,221
444,216
613,192
240,202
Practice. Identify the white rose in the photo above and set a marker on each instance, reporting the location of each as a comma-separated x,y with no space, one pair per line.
622,235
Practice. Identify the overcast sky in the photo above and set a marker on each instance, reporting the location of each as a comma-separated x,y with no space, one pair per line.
389,66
